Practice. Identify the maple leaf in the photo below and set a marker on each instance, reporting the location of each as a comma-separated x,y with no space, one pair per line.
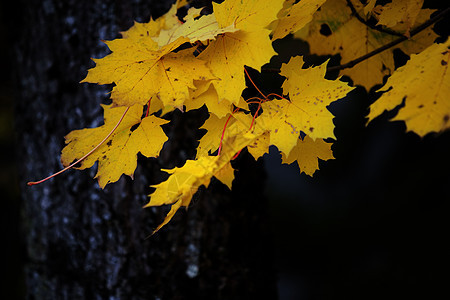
205,94
351,39
153,28
118,155
399,15
260,146
140,74
249,15
170,18
144,30
310,94
295,17
184,182
226,175
141,68
211,140
236,124
229,53
306,152
251,46
424,84
202,29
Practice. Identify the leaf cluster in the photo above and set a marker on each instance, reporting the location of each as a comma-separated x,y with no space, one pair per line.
202,60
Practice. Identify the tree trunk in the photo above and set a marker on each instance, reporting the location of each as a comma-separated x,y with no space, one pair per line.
86,243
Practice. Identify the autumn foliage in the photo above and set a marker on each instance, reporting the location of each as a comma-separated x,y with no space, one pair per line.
172,63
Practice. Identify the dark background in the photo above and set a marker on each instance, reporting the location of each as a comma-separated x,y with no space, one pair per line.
372,223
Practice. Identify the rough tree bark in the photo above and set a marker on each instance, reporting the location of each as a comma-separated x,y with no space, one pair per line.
86,243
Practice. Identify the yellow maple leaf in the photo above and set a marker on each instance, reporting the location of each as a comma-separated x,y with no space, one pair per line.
295,17
184,182
141,68
249,15
306,152
170,18
229,53
205,94
144,30
211,140
202,29
226,175
251,46
352,39
310,94
118,155
260,146
399,15
152,28
236,124
141,73
424,84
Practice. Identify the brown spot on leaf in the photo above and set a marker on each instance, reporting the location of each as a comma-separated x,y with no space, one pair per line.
311,129
420,106
446,118
109,143
443,62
